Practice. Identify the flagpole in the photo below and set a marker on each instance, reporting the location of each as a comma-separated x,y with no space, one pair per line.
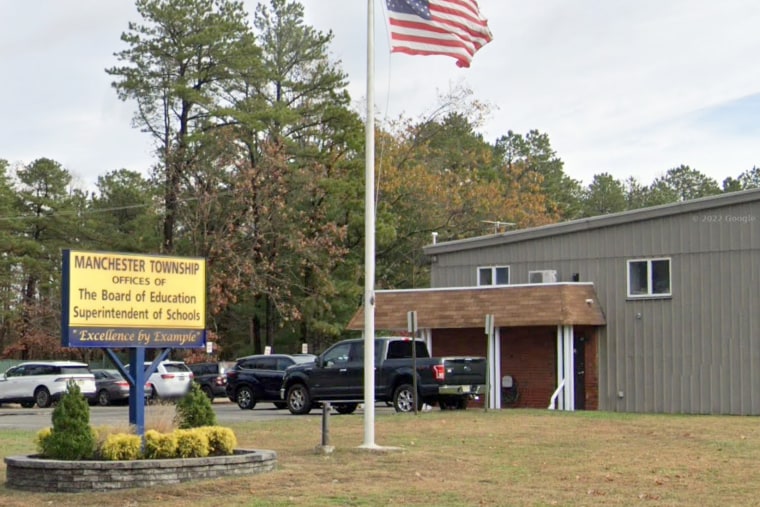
369,239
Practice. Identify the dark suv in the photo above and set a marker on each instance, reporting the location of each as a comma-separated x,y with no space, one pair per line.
259,378
211,377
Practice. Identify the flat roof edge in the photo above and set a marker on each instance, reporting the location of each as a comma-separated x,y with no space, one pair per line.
484,287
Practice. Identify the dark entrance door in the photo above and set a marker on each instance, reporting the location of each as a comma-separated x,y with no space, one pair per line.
579,360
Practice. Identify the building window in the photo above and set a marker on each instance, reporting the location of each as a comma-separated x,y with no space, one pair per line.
649,278
493,275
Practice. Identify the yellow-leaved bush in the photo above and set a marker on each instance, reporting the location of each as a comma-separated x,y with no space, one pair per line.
121,447
160,445
39,439
192,443
221,441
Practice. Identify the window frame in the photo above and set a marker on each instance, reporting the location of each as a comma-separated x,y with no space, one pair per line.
650,281
493,270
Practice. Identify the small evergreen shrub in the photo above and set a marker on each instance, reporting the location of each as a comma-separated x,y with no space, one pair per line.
195,409
71,437
221,441
160,445
192,443
121,446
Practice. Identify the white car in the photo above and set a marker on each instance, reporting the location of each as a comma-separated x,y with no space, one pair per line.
43,382
171,379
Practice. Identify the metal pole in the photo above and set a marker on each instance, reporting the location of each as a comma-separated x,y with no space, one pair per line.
412,325
489,355
137,391
369,238
326,424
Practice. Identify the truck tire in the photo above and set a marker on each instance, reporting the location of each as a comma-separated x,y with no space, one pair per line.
346,408
298,399
403,399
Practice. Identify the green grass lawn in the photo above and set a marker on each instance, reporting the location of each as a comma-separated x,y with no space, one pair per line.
455,458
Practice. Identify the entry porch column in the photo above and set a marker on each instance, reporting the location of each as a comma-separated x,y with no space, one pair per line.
564,395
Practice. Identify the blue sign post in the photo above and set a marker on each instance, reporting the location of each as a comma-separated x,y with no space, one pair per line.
134,302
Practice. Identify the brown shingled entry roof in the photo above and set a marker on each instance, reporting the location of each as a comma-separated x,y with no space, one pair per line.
517,305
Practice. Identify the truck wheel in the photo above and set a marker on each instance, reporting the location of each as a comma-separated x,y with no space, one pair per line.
346,408
245,399
403,399
298,399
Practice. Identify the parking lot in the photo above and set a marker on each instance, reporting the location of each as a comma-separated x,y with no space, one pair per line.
13,416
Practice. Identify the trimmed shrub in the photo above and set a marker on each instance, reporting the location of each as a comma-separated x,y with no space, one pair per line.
160,445
195,409
221,441
191,443
40,437
121,446
71,437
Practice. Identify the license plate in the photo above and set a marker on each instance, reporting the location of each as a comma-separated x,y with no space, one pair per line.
465,389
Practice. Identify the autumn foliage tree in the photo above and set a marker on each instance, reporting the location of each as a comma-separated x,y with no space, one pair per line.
441,176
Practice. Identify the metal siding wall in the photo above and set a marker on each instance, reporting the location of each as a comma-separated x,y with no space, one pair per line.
697,352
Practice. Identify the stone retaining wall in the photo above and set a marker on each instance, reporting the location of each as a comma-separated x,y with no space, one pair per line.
31,473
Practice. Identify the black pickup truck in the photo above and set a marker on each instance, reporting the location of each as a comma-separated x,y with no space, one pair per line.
337,376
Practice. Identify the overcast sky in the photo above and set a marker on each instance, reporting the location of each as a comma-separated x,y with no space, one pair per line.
625,87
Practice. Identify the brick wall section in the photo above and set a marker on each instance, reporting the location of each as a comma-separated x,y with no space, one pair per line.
30,473
529,355
592,365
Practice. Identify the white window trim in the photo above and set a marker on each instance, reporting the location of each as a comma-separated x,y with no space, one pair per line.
649,294
493,275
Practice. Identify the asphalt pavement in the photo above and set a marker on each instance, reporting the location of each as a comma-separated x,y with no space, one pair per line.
14,417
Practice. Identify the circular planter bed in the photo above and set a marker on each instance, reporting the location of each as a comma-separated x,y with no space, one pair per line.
31,473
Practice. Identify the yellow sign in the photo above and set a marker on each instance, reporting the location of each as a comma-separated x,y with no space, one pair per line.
123,290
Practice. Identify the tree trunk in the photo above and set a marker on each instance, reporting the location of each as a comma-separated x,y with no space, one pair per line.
271,317
255,334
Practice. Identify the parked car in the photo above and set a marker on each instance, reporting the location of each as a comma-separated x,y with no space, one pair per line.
211,377
170,380
43,382
259,377
110,388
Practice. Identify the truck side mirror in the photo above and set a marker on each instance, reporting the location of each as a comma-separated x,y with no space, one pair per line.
318,362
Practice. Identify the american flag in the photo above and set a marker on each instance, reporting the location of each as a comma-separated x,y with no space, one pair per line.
438,27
